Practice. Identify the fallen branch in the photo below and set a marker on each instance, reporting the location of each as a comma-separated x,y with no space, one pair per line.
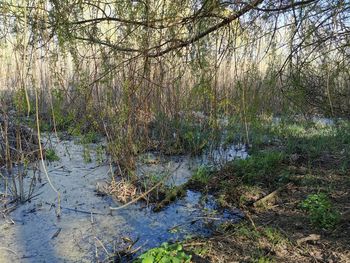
312,237
271,196
75,210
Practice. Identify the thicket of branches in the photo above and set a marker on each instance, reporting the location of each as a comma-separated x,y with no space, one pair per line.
119,65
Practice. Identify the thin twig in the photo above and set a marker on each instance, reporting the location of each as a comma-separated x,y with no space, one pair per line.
10,250
76,210
101,244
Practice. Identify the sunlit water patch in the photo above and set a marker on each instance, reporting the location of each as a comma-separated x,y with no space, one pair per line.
87,230
181,167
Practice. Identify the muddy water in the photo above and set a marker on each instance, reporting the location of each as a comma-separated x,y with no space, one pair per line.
86,230
182,167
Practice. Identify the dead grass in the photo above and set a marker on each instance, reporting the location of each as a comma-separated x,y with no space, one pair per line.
122,190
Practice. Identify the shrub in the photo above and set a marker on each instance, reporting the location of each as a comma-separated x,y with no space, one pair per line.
321,211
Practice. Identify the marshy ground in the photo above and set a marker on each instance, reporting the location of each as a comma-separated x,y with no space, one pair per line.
88,227
294,191
174,131
286,199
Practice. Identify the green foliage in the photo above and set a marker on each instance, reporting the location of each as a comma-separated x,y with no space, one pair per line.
100,152
64,120
195,140
263,260
74,120
271,234
311,140
51,155
86,154
274,236
202,91
247,231
166,253
174,192
185,135
20,102
258,167
89,137
153,178
321,211
165,195
44,126
201,175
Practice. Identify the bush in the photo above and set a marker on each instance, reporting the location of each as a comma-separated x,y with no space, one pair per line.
321,211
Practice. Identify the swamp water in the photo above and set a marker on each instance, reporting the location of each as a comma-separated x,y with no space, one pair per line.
87,231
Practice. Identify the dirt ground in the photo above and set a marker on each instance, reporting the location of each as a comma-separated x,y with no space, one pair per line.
278,230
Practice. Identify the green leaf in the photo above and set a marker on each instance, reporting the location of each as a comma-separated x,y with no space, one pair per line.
148,259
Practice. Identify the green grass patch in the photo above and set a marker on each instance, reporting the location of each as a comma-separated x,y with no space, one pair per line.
315,142
89,137
51,155
87,154
249,232
100,154
274,236
201,175
261,167
183,135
